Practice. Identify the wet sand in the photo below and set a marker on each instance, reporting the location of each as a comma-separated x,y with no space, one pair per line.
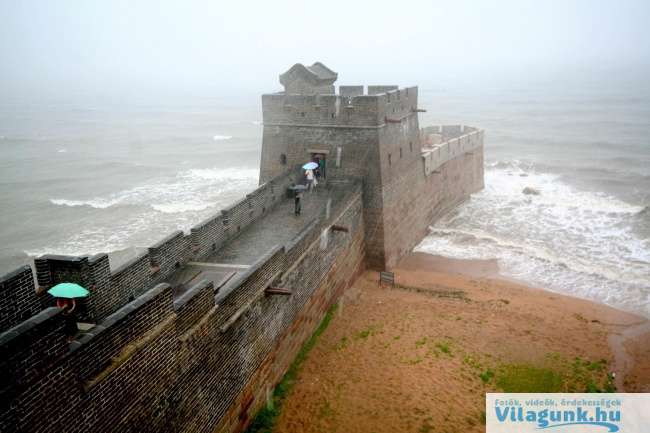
420,357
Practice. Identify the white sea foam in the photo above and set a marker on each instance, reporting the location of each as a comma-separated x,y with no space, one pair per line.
156,209
564,239
122,233
97,203
190,190
221,137
180,207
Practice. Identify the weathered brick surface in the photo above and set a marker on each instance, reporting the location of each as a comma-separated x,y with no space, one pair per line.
185,365
376,138
93,273
18,300
213,233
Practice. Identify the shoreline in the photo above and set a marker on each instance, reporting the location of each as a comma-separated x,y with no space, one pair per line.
482,268
420,356
628,326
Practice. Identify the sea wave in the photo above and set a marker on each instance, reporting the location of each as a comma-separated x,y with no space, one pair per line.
190,190
140,215
565,239
478,245
180,207
97,203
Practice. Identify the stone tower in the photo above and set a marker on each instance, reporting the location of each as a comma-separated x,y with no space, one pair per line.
370,134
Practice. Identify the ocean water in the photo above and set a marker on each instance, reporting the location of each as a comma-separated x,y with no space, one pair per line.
586,150
88,177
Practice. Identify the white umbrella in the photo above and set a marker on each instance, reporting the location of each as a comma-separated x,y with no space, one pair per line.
310,166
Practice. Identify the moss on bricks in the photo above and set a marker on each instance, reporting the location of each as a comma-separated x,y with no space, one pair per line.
265,419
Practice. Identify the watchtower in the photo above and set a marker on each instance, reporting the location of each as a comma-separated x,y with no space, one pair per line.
369,133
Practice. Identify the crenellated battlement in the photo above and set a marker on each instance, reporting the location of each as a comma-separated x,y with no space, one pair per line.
350,108
445,142
176,331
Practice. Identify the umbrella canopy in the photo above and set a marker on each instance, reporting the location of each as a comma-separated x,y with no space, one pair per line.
68,290
310,166
298,187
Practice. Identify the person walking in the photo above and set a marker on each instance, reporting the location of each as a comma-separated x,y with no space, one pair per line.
317,171
321,167
297,206
309,174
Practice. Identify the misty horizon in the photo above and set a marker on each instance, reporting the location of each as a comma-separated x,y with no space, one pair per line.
62,50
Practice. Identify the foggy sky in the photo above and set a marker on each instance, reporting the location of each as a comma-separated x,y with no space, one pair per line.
129,46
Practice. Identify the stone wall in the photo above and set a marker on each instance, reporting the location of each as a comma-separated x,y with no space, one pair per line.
18,300
420,188
195,364
354,131
338,110
113,288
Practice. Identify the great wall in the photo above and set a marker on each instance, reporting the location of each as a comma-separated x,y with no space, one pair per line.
191,335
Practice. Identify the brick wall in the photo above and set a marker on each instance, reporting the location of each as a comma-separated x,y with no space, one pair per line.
419,189
196,364
347,129
211,234
18,300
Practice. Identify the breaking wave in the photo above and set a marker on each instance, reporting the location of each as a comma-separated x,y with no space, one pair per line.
135,216
190,190
94,203
576,242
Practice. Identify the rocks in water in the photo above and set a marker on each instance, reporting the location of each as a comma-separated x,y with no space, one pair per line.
531,191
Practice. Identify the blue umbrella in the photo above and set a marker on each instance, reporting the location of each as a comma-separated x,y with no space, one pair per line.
310,166
68,290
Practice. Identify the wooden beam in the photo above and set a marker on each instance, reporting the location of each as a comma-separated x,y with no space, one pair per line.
390,120
277,291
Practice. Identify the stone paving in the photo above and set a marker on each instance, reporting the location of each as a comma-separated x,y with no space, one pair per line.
279,226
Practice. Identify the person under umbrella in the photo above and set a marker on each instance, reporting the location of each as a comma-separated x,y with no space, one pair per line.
65,294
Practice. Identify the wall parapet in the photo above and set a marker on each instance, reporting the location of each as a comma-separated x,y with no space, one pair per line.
18,299
212,233
159,350
437,152
28,348
193,305
106,340
113,288
349,109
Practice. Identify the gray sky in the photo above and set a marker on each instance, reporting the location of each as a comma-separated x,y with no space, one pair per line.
188,46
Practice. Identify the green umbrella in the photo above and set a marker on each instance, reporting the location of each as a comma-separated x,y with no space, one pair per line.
68,290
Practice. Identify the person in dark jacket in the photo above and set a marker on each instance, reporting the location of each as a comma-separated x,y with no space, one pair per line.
297,204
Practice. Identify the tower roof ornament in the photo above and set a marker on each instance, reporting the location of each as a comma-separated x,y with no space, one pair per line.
316,75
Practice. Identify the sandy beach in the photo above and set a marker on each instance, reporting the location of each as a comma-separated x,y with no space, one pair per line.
421,356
